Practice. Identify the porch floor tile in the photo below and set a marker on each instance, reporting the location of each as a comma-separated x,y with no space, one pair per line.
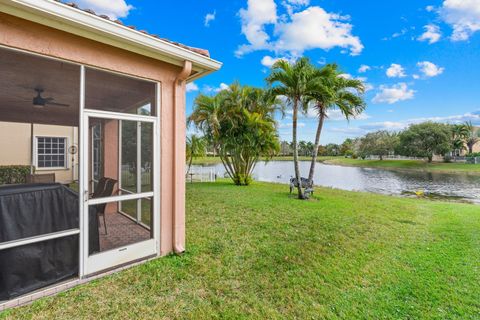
121,231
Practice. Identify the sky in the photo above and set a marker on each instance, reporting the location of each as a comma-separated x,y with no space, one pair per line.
420,59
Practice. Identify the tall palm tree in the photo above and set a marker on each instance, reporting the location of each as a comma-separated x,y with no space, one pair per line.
196,147
206,116
473,136
460,135
330,90
290,81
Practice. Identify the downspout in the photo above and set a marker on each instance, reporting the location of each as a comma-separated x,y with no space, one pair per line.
179,125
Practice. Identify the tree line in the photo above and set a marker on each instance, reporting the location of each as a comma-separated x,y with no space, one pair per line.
425,140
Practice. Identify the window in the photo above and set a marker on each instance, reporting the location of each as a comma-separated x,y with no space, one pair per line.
51,152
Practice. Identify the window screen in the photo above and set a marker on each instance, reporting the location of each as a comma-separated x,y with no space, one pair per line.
51,152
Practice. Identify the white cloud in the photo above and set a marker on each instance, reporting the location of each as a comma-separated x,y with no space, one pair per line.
364,68
393,94
463,16
290,124
429,69
315,28
432,34
268,61
430,8
210,89
368,86
258,14
309,28
396,71
291,5
209,18
299,2
385,125
114,9
337,115
192,86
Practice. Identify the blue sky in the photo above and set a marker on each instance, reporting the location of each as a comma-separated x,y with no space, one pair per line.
421,59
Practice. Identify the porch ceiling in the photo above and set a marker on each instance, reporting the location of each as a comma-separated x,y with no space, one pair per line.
22,73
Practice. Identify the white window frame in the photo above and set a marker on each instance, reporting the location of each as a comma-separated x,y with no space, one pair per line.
35,153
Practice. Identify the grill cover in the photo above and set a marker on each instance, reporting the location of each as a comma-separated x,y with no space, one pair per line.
33,210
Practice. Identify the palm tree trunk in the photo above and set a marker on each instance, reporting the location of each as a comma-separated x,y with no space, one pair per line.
317,144
189,165
295,150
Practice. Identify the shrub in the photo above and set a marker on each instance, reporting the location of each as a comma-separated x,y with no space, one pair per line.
473,155
13,174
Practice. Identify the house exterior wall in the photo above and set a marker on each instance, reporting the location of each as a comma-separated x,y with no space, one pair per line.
33,37
15,143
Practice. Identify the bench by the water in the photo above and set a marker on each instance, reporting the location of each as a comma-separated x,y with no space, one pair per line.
305,183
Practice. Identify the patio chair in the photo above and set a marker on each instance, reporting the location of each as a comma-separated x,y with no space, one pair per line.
40,178
105,188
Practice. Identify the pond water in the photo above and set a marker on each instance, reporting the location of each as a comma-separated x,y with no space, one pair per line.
458,186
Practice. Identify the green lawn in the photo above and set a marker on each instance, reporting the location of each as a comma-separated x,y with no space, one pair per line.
256,252
408,165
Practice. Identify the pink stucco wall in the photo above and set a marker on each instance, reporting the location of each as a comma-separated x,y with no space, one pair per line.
23,34
110,156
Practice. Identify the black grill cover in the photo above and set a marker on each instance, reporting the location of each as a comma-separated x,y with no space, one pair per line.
33,210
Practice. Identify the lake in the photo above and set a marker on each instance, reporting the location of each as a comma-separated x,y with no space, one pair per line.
456,186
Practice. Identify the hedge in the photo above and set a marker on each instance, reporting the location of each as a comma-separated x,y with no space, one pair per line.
13,174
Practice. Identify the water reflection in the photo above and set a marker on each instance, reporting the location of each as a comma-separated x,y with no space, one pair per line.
382,181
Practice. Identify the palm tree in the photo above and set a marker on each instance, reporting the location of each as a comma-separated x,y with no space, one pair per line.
206,117
196,147
460,135
240,123
473,136
302,147
330,90
290,81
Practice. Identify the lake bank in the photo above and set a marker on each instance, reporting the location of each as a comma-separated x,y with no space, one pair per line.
412,165
456,187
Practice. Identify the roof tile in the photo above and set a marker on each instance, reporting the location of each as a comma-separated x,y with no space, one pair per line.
203,52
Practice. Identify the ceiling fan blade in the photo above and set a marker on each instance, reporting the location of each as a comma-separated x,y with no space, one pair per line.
56,104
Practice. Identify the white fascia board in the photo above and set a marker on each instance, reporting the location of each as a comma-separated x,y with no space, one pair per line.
63,17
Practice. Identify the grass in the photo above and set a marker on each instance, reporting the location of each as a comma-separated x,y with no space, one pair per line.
408,165
256,252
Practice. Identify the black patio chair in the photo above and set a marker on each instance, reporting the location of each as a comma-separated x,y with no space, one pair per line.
105,188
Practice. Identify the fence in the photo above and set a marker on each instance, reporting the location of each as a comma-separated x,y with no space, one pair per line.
129,177
473,160
201,174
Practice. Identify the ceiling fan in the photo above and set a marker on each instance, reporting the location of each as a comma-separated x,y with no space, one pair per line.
40,102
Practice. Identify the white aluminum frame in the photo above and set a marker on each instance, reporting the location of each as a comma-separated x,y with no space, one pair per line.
104,260
83,144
